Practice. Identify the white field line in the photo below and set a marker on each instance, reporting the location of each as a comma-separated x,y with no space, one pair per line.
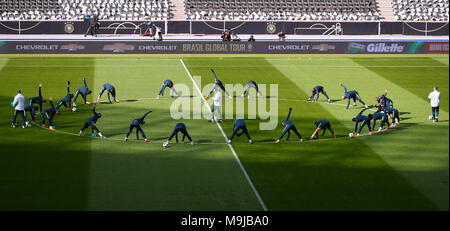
202,143
294,100
324,102
117,139
188,97
293,58
216,143
261,202
228,66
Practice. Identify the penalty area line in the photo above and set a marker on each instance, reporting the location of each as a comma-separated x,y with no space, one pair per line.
261,202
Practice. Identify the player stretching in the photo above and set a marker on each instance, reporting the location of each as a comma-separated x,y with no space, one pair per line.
315,91
67,100
168,83
288,127
395,117
217,85
322,124
91,123
217,106
251,84
32,110
179,127
380,114
362,118
84,91
239,124
386,104
111,90
136,123
38,99
351,95
48,114
384,101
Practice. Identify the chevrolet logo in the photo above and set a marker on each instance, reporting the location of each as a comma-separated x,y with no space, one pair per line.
323,47
118,47
72,47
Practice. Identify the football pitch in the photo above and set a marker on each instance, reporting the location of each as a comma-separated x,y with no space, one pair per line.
405,168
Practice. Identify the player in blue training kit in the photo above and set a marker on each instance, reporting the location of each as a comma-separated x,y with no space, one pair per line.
38,99
179,127
351,95
47,115
168,83
32,110
384,101
136,123
365,121
83,91
322,124
315,91
387,105
288,127
239,124
91,123
67,100
395,116
217,84
251,84
111,90
380,114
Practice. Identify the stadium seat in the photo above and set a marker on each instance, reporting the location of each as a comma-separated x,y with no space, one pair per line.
282,10
421,10
305,10
76,9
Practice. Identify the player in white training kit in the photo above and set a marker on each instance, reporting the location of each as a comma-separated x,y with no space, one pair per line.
435,97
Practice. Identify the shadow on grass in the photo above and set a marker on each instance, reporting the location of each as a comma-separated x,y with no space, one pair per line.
160,138
252,97
330,137
129,100
55,167
401,127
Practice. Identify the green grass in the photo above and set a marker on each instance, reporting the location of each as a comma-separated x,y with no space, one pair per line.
401,169
412,77
417,150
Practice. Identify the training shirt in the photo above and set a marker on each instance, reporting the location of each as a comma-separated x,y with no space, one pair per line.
434,98
218,99
318,88
19,102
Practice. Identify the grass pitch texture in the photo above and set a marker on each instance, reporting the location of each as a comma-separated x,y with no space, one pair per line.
401,169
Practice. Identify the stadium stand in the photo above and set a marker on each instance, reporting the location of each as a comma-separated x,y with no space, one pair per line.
366,10
76,9
421,10
256,10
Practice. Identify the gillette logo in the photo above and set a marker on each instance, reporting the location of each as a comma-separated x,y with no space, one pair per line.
383,48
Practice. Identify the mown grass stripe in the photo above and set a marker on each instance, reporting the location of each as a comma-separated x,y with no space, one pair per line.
229,145
367,86
54,171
